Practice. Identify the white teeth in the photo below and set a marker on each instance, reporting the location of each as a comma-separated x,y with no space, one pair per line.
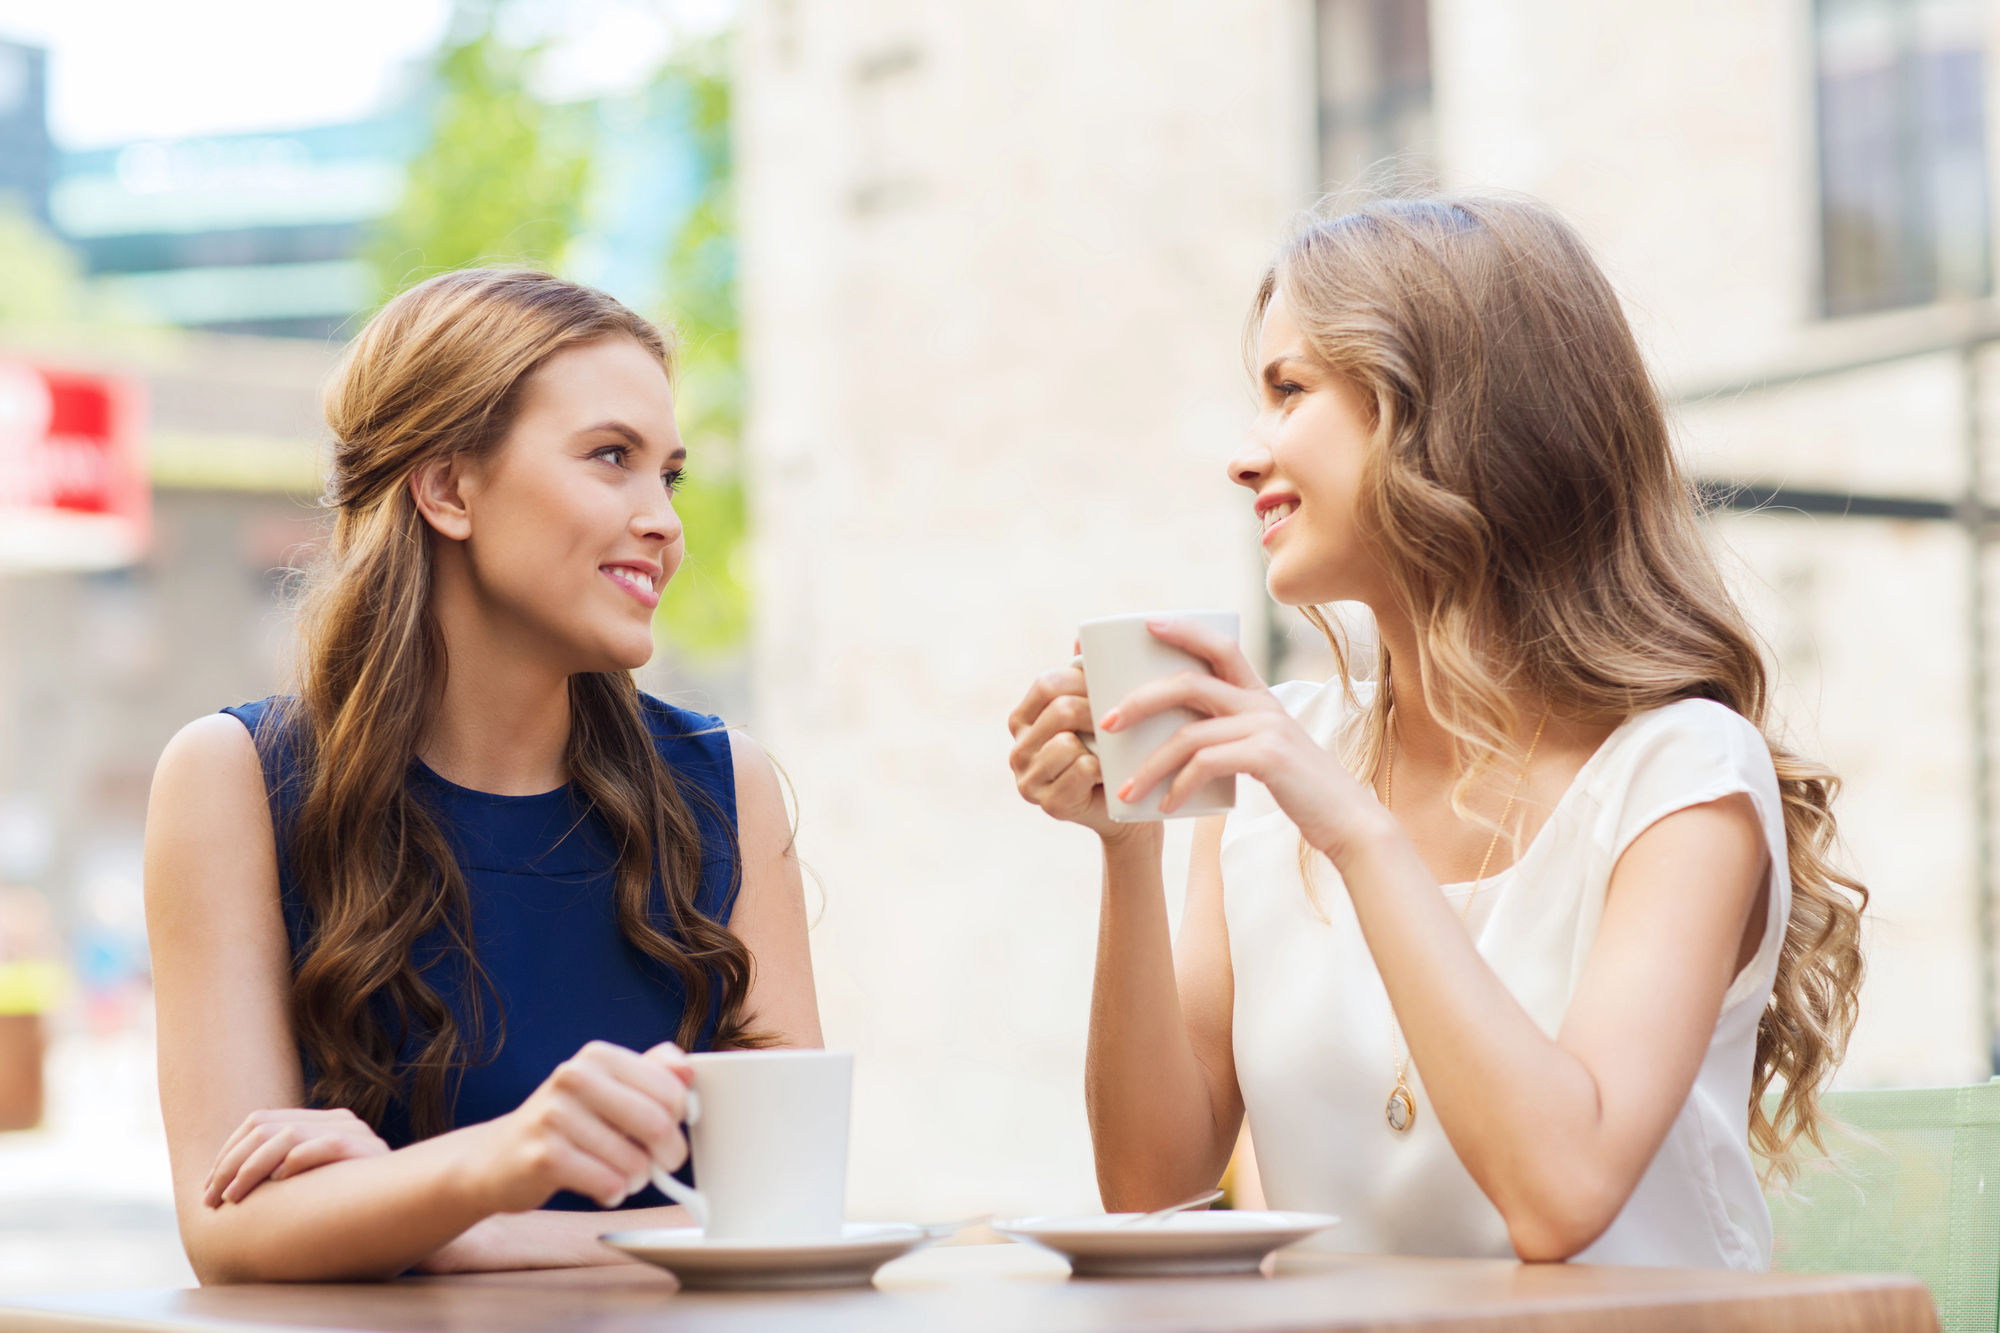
637,580
1279,511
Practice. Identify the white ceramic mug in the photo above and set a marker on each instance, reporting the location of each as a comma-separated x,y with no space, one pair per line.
1119,655
768,1132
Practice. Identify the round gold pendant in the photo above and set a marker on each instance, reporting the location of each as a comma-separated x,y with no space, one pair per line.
1401,1110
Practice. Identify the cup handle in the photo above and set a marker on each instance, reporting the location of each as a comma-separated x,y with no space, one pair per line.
686,1195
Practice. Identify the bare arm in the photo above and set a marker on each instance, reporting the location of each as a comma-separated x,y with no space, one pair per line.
1161,1075
770,913
1160,1080
222,976
222,972
1557,1131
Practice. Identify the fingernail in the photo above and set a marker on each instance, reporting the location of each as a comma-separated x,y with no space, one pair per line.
1125,792
1109,722
1157,622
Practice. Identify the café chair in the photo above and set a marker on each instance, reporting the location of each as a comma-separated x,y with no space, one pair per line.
1911,1185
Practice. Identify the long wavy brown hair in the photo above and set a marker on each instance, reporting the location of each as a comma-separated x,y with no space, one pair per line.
439,372
1524,494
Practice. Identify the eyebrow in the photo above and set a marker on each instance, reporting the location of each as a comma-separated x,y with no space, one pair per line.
1271,367
631,437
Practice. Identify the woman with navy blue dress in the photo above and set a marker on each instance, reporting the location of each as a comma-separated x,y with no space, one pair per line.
432,933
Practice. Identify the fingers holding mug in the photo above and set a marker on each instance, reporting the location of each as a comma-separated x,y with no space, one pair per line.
1149,666
675,1060
1066,714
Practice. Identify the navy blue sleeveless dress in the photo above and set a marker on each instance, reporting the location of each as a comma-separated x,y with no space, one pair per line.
540,871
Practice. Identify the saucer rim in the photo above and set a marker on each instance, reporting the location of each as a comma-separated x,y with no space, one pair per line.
691,1239
1099,1225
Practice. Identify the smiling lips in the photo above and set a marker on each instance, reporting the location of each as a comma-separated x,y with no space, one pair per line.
1271,515
639,580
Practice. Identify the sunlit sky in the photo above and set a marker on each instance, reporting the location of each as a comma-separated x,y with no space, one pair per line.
163,69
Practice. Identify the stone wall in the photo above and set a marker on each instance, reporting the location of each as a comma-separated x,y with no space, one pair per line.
996,262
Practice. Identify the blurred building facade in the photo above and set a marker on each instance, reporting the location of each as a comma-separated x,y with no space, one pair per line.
25,149
98,670
996,269
242,233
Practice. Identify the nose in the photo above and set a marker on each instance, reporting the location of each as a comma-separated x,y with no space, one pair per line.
655,519
1251,464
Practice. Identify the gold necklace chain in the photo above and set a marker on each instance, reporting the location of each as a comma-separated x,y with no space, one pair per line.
1401,1111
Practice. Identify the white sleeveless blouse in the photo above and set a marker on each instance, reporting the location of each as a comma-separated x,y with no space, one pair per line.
1312,1019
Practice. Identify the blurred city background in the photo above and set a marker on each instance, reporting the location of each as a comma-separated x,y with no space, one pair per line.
990,266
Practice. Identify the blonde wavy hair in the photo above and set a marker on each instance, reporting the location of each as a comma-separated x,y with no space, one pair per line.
1524,494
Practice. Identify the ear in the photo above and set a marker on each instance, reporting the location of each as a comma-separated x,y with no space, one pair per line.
437,488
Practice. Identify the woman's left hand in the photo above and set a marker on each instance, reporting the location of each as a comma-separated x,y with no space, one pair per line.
286,1141
1245,730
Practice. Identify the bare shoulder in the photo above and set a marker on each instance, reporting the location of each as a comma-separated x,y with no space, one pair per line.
761,816
208,826
749,757
214,747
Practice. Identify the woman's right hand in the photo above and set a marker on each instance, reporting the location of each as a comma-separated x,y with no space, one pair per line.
596,1126
1053,768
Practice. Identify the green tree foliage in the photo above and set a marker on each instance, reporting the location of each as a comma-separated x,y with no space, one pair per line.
706,609
47,300
41,279
502,177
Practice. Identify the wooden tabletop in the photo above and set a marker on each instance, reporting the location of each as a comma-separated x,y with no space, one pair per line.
1005,1288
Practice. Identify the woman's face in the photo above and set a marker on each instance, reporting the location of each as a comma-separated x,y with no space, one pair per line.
568,527
1303,459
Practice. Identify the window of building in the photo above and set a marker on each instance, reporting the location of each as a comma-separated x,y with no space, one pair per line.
1374,83
1904,213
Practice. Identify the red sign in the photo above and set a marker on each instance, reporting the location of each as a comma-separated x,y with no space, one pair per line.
73,486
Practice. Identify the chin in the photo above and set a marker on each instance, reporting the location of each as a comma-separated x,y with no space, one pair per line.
631,656
1304,577
1292,592
605,650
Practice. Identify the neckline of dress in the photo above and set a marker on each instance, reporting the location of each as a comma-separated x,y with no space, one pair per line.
492,796
1460,887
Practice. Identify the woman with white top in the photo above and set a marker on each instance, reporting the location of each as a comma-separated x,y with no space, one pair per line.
1502,949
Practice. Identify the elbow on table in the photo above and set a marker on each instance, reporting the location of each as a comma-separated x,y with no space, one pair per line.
1141,1187
1564,1222
216,1271
223,1260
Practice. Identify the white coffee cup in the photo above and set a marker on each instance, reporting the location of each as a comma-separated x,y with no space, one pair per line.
768,1132
1119,655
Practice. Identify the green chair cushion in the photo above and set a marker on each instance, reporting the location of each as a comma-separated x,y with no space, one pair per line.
1912,1185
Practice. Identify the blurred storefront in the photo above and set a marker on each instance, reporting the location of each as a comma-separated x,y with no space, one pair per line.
99,666
105,651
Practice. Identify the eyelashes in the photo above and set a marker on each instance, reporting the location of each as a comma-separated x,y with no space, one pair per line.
675,478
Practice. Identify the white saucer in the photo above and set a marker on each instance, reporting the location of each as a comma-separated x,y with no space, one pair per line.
761,1265
1179,1245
